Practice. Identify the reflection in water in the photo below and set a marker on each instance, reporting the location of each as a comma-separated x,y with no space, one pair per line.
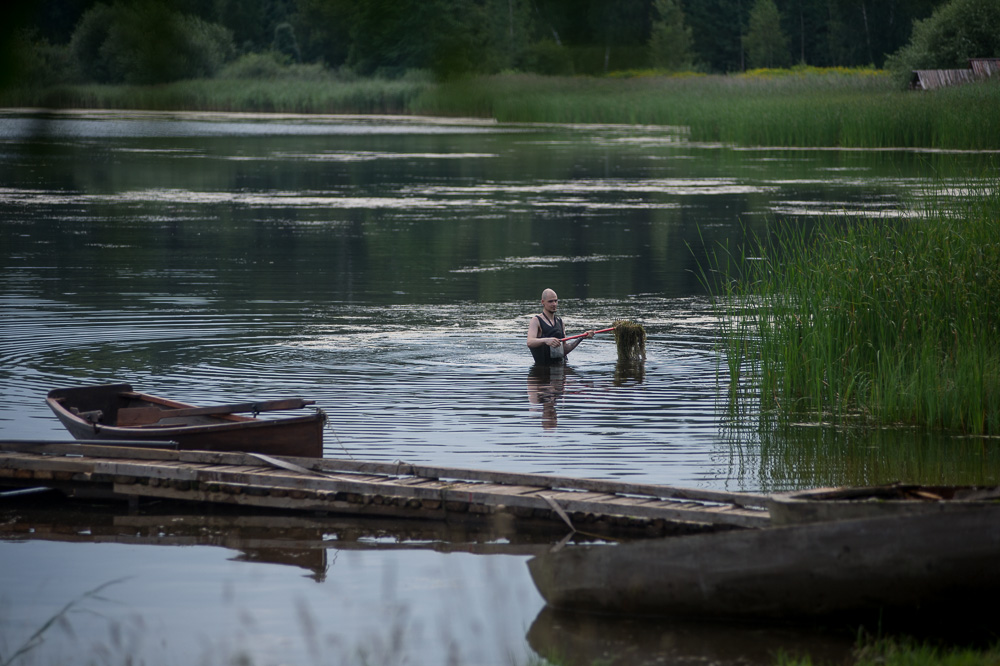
790,456
298,539
217,258
261,588
629,372
337,553
546,386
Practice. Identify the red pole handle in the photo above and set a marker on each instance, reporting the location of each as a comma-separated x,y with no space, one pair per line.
574,337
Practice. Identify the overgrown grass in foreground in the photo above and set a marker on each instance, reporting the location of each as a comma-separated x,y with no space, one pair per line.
797,107
888,322
905,652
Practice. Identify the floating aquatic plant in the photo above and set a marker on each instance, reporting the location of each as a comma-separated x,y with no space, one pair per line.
630,338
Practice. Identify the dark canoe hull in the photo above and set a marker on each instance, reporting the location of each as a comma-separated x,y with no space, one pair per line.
825,504
292,436
880,567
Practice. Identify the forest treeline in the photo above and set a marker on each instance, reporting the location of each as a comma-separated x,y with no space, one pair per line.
155,41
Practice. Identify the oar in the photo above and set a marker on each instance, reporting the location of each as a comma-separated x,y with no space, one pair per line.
581,335
137,416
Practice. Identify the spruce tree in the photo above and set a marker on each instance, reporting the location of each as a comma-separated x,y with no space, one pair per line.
766,44
670,39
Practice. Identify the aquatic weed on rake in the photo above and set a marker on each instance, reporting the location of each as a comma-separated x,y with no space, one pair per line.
630,338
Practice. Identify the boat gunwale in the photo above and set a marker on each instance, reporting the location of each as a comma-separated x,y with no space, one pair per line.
229,421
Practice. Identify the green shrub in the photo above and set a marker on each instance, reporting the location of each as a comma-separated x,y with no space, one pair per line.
547,57
39,63
265,66
957,31
147,42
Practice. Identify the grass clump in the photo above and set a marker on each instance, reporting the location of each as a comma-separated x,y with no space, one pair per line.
907,652
884,321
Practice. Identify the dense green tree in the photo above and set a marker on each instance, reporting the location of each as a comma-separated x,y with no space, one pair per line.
448,36
804,22
444,36
549,58
766,43
147,42
717,28
509,33
88,39
247,20
670,39
324,28
618,27
959,30
286,43
865,32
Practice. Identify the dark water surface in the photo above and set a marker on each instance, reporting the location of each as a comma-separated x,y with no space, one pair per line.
387,268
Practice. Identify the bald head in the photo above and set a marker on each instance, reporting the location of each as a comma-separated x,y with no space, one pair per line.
550,302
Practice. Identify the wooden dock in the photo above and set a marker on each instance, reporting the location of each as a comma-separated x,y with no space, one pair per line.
397,490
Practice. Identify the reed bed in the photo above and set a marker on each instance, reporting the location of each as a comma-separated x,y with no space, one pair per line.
870,320
797,107
362,96
848,108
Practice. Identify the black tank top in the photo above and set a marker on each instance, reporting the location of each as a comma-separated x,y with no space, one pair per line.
547,330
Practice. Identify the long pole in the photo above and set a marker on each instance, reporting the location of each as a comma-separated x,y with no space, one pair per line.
574,337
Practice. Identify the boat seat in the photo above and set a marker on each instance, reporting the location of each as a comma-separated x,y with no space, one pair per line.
93,416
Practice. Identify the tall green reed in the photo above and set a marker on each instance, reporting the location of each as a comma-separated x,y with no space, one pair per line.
872,320
802,108
798,107
370,96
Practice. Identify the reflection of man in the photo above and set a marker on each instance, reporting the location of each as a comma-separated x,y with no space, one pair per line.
546,384
546,331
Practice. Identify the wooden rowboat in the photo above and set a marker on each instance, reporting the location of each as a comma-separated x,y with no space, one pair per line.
895,568
116,412
824,504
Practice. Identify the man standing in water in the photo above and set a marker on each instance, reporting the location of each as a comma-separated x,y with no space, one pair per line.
546,331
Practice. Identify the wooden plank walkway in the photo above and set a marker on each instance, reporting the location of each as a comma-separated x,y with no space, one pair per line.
398,490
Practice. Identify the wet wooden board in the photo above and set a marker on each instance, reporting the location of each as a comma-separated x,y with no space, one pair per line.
370,488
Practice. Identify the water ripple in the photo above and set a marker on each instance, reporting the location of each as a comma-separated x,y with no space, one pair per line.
396,385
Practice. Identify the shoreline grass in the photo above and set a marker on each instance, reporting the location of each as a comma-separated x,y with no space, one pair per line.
906,651
871,321
362,96
861,108
806,107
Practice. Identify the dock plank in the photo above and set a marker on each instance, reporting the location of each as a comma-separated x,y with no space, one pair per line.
365,488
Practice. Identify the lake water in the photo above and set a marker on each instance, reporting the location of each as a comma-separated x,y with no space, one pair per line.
387,268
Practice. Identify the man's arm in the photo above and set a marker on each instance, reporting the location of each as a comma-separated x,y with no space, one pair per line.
534,340
570,345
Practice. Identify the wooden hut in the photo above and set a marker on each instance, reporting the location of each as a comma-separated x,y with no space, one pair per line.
984,68
931,79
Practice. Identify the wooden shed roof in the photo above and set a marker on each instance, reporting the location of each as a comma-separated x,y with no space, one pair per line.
931,79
